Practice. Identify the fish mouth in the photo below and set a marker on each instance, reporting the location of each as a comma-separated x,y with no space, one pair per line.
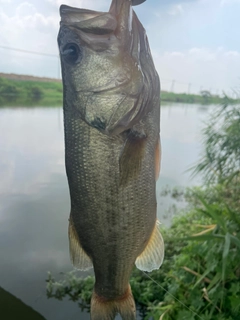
88,21
137,2
118,20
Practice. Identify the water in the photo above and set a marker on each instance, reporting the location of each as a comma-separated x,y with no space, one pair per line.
34,197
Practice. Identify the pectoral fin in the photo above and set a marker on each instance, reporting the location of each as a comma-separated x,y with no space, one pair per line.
78,256
152,256
130,161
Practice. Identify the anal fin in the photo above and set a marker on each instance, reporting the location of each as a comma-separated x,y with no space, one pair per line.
152,256
78,256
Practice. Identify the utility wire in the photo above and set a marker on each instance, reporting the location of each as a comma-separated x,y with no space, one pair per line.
32,52
174,82
184,305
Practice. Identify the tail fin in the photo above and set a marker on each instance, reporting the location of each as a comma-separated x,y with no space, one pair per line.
102,309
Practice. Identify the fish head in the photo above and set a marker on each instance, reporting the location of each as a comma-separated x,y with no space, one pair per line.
107,69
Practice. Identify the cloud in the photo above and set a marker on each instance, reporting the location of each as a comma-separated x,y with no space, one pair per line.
202,54
90,4
27,28
192,41
175,10
214,69
229,2
233,54
34,26
25,9
177,54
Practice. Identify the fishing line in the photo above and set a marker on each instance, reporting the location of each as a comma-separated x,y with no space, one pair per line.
172,296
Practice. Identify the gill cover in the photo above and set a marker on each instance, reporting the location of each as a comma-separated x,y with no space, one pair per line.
109,77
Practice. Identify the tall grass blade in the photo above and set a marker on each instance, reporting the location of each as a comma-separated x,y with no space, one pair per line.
225,254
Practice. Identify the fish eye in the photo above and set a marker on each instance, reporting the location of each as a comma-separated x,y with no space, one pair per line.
72,53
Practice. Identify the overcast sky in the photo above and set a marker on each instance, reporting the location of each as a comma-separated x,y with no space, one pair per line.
194,42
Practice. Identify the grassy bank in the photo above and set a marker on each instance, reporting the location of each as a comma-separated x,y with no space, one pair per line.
25,92
200,275
28,93
204,98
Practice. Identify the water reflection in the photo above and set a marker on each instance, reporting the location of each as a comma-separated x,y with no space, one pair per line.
181,127
34,197
34,240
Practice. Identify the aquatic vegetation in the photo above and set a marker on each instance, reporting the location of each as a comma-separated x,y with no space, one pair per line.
203,280
221,138
200,275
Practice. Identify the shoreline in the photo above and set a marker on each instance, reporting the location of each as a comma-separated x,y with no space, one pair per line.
24,89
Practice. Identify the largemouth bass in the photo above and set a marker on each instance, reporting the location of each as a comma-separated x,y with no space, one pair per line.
112,150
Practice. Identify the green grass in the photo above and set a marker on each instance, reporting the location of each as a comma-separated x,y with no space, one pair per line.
194,98
29,93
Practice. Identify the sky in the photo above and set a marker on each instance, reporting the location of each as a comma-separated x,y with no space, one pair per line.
195,43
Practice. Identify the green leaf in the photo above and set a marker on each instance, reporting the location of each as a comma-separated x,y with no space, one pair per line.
235,240
233,215
226,245
204,237
225,254
202,277
235,304
211,211
214,281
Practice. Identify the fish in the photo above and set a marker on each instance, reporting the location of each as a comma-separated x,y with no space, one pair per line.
111,106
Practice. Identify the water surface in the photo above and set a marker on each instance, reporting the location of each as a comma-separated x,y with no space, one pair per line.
34,196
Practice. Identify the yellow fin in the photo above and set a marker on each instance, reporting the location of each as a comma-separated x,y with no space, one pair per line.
78,256
130,161
152,256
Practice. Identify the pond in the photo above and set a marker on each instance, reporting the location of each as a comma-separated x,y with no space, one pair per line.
34,197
